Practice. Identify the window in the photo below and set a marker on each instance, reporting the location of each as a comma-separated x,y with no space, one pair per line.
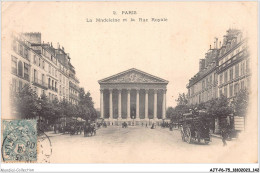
225,76
39,61
43,64
225,91
21,49
210,79
35,75
231,73
34,59
231,90
20,68
237,70
49,68
236,88
43,79
220,79
14,65
49,82
26,55
26,71
243,68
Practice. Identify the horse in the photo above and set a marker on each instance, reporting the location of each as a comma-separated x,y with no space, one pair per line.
89,129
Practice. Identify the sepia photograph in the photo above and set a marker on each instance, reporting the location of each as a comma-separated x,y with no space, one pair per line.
129,83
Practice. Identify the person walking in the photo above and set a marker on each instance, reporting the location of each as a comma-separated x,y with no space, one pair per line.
224,136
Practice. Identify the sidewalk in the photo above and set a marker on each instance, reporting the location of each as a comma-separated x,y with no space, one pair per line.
211,134
52,134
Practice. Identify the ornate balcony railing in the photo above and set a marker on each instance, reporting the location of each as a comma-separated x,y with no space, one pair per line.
39,83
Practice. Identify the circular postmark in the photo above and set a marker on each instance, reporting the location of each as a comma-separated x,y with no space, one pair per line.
20,141
44,148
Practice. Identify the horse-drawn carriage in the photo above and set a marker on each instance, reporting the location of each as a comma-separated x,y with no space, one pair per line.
72,128
195,127
89,129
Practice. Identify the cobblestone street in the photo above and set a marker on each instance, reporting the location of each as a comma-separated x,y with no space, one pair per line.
135,144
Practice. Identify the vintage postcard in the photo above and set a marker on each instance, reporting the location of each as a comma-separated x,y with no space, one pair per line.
129,82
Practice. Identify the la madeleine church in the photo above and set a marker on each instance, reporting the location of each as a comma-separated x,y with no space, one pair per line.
134,97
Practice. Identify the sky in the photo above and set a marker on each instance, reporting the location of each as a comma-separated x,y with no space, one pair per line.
170,50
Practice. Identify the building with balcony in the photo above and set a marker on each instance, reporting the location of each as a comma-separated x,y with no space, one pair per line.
73,85
20,63
41,65
224,70
233,68
225,73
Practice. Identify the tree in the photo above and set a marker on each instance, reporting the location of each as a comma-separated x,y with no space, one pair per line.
182,100
218,109
223,108
170,113
240,102
86,106
211,107
46,109
57,110
26,103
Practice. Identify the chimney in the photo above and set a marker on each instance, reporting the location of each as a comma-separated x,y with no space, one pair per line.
210,47
51,44
216,43
58,45
220,44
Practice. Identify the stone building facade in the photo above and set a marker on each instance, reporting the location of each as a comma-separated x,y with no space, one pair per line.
133,96
224,70
40,65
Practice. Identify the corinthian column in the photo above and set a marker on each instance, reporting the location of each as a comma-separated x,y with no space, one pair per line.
146,104
110,104
119,104
128,103
137,104
101,104
164,104
155,105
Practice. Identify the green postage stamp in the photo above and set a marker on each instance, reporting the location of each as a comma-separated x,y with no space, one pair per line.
19,140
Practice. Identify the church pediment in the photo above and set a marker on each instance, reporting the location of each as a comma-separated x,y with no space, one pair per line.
133,76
